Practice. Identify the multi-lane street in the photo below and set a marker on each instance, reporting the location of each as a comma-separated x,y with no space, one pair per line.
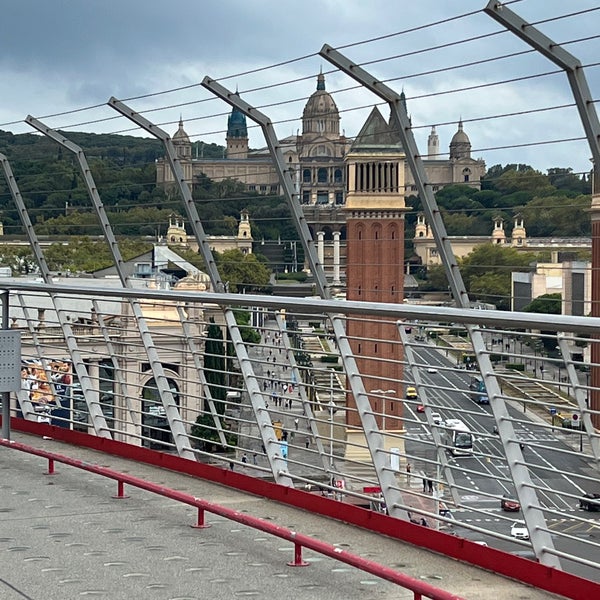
558,470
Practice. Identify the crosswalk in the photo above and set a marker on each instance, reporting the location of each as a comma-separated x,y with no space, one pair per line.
417,433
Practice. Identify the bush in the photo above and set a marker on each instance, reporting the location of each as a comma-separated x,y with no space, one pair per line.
329,359
299,276
515,366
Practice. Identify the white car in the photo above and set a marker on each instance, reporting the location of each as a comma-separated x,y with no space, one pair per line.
519,531
431,370
436,418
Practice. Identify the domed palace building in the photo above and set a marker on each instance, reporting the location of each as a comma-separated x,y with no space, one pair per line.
316,156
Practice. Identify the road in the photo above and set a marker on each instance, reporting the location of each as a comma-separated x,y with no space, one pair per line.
559,472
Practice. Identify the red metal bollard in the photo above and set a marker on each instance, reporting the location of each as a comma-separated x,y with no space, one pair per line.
200,524
51,470
120,491
298,562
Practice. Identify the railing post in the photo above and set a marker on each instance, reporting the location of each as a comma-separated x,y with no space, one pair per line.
51,470
120,490
298,562
200,523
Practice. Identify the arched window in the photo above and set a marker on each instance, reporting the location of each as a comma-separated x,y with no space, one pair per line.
337,176
306,175
322,175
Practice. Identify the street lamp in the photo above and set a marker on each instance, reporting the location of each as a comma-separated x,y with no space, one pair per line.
383,393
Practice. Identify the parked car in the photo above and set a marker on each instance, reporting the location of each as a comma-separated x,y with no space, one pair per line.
420,408
519,531
431,370
411,393
509,504
590,502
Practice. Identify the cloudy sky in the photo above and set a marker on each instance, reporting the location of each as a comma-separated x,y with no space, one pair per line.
59,56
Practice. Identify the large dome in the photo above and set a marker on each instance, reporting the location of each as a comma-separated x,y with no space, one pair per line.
320,116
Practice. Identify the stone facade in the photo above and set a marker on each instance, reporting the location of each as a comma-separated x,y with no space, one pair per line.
317,160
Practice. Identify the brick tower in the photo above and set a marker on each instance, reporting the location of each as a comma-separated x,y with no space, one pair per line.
375,210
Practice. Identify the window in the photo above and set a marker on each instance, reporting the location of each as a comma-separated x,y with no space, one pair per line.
305,197
274,189
306,176
252,188
337,176
322,198
339,197
322,175
263,188
143,269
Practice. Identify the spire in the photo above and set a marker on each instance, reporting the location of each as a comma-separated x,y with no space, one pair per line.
321,81
403,100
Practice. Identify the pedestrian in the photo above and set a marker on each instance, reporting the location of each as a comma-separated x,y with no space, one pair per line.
408,468
430,486
423,522
296,424
307,442
424,484
231,466
254,458
244,458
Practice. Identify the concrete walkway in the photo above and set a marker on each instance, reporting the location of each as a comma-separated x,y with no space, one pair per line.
64,536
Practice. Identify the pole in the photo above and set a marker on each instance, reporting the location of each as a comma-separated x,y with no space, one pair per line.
5,395
331,421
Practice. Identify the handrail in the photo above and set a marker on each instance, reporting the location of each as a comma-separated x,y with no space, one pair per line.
419,588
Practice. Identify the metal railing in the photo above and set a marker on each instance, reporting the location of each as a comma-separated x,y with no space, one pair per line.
541,364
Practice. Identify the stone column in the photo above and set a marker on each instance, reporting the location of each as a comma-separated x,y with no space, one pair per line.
336,258
321,247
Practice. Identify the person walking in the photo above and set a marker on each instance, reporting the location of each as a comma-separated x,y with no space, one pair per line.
244,458
408,469
296,424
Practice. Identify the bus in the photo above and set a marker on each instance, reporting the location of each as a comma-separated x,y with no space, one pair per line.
458,438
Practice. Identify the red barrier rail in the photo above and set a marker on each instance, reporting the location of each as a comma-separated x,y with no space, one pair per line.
514,567
419,588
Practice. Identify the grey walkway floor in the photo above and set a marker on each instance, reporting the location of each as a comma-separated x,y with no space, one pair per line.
63,536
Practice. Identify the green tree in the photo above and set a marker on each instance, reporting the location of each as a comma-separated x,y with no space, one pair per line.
487,272
558,215
215,373
242,272
550,304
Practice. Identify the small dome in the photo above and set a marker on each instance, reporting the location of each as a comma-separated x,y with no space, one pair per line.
460,145
180,135
236,124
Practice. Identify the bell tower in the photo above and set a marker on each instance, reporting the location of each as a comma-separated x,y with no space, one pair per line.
375,209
